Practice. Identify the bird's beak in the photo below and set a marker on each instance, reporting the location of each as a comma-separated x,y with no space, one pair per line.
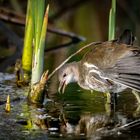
62,86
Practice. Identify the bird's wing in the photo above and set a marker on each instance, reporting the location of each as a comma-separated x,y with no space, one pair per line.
126,70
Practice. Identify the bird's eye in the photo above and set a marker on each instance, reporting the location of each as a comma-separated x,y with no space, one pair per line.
64,75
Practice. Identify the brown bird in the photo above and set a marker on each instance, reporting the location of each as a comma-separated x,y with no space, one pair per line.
110,66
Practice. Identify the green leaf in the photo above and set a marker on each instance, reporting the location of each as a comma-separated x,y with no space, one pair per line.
39,15
38,63
28,39
112,17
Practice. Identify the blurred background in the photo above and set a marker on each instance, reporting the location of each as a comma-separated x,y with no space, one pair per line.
84,18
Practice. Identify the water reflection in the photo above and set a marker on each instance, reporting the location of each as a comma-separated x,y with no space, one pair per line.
74,115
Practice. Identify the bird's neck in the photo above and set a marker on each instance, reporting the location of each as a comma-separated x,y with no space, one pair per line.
76,71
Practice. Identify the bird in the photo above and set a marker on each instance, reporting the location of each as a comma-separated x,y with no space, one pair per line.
110,66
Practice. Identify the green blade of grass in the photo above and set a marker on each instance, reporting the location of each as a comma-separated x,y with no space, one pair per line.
39,14
37,69
111,32
28,40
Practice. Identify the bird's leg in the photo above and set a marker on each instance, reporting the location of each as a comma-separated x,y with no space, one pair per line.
108,109
114,98
136,94
108,104
108,96
111,102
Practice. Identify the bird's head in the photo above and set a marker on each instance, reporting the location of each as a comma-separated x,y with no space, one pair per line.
67,74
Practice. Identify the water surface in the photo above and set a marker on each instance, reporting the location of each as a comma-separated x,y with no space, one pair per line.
77,114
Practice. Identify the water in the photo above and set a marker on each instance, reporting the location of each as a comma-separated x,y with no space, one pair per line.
77,114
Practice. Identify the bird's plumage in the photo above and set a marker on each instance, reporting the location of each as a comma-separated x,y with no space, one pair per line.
110,66
107,63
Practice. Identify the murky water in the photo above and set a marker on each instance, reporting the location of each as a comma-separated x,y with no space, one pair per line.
73,115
